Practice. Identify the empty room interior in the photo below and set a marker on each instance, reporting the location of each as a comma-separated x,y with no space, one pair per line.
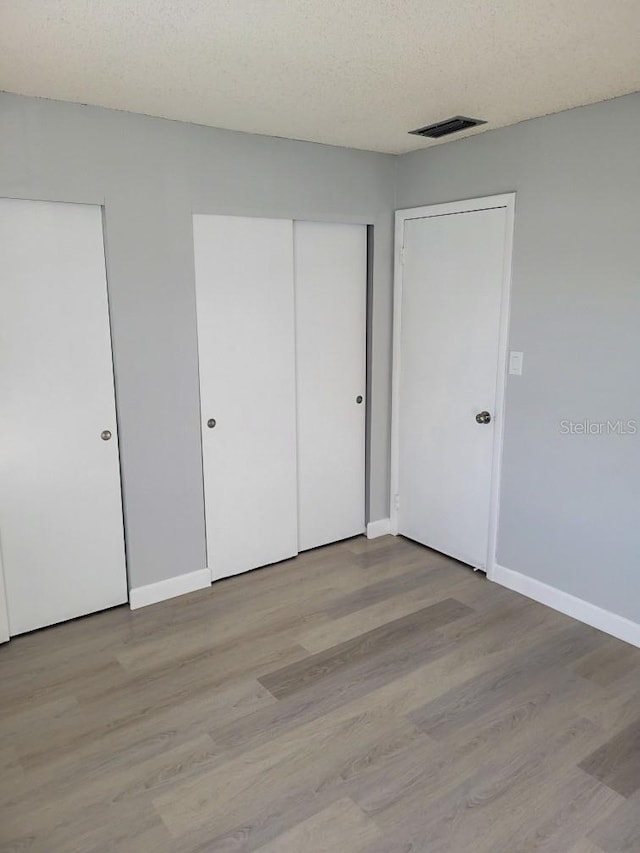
319,426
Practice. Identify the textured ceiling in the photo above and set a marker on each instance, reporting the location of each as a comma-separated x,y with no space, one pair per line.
359,73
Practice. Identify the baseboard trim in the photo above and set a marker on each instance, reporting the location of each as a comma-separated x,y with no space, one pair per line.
378,528
142,596
583,611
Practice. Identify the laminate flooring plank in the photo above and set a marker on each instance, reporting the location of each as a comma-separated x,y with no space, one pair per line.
618,705
154,839
11,772
326,831
409,581
24,720
363,545
145,699
100,829
267,780
478,696
48,809
389,548
559,812
620,832
482,808
334,630
617,762
586,846
436,766
297,676
56,686
113,750
609,663
261,820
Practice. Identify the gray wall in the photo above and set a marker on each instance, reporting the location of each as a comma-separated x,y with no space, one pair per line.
570,504
151,175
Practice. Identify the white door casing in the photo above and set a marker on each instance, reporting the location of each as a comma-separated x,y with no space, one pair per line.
451,313
330,263
61,526
4,612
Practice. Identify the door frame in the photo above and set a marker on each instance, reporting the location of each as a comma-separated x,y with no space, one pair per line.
4,606
507,201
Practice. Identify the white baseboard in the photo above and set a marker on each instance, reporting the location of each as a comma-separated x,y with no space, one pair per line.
141,596
583,611
378,528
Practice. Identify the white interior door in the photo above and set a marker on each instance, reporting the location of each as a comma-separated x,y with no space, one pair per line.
61,530
452,286
244,288
330,286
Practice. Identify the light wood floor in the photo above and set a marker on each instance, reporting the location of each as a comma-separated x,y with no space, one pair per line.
368,696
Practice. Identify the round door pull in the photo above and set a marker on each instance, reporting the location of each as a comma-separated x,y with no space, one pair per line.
483,418
105,435
211,423
359,399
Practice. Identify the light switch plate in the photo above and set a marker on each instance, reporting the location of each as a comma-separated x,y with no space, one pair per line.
515,363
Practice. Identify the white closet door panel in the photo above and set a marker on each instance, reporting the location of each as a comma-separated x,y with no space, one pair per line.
330,281
244,286
61,530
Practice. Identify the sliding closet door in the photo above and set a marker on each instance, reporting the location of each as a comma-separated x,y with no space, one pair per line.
331,281
61,532
244,288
